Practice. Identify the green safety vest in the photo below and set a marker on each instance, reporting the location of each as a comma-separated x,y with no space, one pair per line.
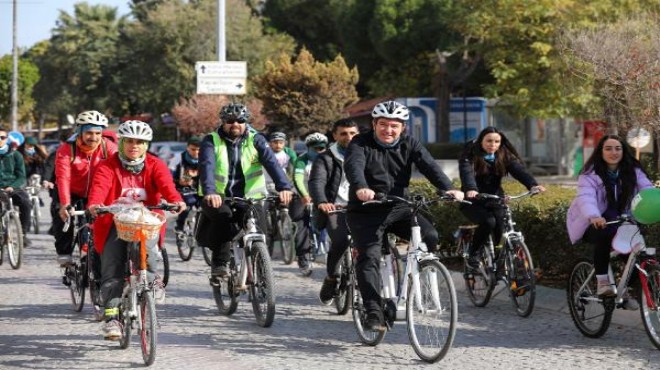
255,182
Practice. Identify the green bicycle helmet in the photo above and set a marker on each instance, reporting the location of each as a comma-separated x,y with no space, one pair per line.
646,206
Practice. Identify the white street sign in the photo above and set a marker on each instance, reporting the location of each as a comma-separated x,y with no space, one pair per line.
224,78
638,138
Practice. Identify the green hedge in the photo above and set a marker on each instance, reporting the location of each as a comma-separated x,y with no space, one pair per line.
542,220
445,150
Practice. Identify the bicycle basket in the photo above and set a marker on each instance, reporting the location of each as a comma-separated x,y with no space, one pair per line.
130,224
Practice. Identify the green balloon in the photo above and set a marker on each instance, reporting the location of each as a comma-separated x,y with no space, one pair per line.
646,206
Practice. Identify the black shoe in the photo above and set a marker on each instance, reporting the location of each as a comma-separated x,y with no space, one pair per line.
26,242
374,321
328,290
473,263
220,271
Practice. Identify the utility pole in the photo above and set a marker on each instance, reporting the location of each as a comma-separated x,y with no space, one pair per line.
222,53
14,74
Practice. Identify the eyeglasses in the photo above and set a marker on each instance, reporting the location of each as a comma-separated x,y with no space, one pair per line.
230,121
3,137
319,148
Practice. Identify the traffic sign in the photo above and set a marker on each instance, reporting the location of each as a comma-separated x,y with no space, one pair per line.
638,137
226,78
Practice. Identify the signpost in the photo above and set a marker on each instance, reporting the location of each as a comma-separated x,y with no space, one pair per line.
223,78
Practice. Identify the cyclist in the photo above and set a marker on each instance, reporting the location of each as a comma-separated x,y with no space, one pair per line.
328,188
380,161
75,162
186,177
34,157
316,144
607,184
48,180
230,164
13,180
284,155
129,173
482,165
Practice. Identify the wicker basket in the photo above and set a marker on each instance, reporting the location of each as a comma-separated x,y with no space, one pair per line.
130,230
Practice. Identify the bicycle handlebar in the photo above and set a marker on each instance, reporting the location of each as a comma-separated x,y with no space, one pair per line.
414,200
621,219
507,197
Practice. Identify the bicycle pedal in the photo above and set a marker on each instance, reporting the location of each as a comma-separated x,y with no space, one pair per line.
214,281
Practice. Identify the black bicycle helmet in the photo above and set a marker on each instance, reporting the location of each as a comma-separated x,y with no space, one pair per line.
235,112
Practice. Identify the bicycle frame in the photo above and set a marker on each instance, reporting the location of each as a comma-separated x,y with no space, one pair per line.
249,234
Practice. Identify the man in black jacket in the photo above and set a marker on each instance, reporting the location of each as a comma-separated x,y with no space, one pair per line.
380,161
328,188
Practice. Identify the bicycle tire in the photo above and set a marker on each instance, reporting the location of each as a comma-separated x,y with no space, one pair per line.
262,285
287,238
207,255
480,283
76,277
437,302
359,313
650,302
93,259
126,321
148,328
14,240
344,293
166,266
185,241
582,310
521,278
35,215
224,292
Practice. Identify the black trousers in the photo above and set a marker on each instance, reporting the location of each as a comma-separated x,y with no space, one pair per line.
368,230
337,229
21,199
302,218
602,241
490,221
63,240
218,226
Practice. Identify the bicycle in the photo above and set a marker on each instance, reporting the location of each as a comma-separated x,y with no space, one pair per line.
185,239
591,313
11,237
250,270
511,264
33,189
281,229
317,238
462,241
84,271
137,306
424,288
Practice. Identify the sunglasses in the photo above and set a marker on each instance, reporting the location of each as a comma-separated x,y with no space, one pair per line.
319,148
230,121
3,137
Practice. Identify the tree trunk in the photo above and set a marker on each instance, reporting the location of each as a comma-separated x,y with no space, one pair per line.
442,92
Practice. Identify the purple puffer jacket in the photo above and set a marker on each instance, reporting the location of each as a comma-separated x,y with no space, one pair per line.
591,201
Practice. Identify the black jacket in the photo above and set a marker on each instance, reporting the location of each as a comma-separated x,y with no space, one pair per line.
325,178
188,169
489,182
388,170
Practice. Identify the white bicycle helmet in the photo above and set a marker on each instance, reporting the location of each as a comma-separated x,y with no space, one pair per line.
392,110
92,117
135,130
315,138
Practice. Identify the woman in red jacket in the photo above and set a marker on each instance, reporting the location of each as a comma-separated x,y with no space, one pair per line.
130,173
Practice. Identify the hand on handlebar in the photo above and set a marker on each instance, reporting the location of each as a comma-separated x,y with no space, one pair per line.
457,194
365,194
598,222
93,209
286,196
327,207
471,194
181,207
214,200
538,189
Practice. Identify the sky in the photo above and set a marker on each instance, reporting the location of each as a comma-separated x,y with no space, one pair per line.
36,18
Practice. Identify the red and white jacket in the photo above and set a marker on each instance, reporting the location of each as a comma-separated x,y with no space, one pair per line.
110,182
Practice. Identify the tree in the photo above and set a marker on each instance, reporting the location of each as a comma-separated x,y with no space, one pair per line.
28,75
199,114
305,95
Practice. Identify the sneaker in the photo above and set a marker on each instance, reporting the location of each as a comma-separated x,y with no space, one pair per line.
374,322
306,271
158,289
220,271
112,330
64,260
605,289
328,289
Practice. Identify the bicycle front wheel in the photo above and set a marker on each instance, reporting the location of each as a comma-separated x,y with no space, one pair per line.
368,337
287,238
432,311
345,289
224,292
589,314
521,279
35,214
262,286
94,282
14,240
166,266
480,282
207,255
650,307
76,276
126,321
148,325
185,240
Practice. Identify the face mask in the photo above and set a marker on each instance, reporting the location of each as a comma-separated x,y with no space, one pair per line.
489,157
30,152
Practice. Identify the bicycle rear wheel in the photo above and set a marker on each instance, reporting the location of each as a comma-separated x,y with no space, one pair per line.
287,238
166,266
76,275
650,307
262,285
14,240
591,317
345,290
432,312
225,293
359,313
94,283
480,282
521,279
35,214
207,255
148,333
185,240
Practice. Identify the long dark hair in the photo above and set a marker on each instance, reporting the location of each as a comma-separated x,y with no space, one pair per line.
39,156
504,154
627,176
